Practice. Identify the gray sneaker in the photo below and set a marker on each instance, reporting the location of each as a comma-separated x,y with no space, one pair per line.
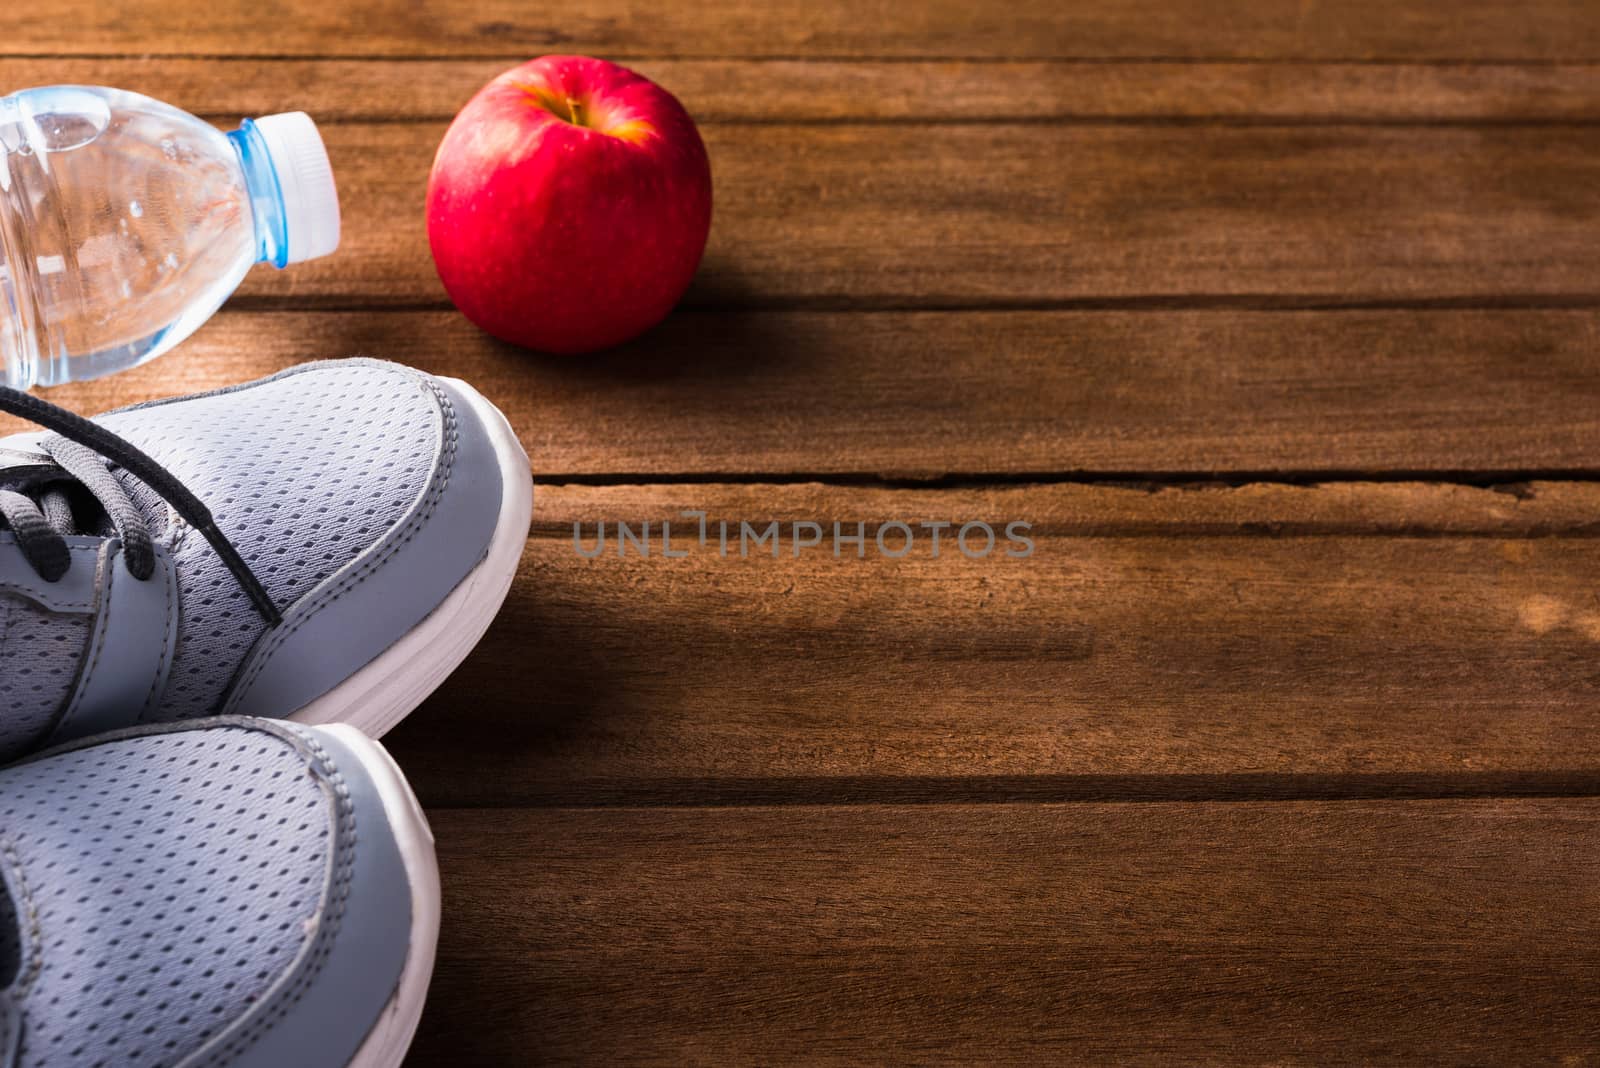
228,892
323,545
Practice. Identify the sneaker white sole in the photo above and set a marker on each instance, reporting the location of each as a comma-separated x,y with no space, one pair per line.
386,690
386,1044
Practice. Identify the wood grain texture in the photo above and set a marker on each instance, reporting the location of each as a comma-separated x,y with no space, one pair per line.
1260,773
1220,773
980,215
1165,656
1535,509
1540,30
1445,932
922,91
923,395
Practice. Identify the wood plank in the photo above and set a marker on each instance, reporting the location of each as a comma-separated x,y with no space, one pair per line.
1253,29
940,216
742,91
924,395
1444,932
1252,642
980,215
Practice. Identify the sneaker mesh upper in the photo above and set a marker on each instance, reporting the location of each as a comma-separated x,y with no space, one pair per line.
172,877
40,652
303,472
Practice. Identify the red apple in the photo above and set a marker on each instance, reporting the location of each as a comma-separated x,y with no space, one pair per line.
569,204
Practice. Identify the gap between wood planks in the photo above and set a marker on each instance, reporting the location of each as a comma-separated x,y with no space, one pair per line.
1516,483
821,59
289,303
967,790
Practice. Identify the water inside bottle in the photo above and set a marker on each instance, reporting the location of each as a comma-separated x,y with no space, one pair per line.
124,224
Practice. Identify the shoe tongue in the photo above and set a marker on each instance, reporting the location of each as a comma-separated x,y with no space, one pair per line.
150,504
27,470
22,450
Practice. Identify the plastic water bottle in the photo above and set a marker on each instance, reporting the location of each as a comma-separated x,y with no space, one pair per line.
125,223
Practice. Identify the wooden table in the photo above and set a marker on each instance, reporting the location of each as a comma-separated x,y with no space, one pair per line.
1275,319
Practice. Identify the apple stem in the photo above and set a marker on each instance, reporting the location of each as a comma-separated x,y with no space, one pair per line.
575,111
